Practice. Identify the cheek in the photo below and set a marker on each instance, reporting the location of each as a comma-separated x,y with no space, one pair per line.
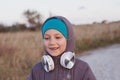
45,43
63,45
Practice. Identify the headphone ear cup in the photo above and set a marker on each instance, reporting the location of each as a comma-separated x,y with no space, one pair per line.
48,63
67,60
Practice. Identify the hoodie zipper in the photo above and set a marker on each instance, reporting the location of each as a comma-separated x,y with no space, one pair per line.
57,69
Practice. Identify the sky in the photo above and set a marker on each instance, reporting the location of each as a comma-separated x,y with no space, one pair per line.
76,11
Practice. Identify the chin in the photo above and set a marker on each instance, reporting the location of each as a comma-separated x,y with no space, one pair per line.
54,54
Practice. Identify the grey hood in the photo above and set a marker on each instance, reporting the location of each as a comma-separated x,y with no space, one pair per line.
71,39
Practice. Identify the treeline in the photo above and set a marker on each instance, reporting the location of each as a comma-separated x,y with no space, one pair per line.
33,18
19,27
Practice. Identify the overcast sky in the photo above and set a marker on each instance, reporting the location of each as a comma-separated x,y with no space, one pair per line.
77,11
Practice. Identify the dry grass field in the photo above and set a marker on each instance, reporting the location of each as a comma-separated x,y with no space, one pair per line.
96,35
19,51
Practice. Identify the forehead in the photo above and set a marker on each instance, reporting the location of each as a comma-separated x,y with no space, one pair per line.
52,32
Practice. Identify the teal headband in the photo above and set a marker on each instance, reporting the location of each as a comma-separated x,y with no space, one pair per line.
56,24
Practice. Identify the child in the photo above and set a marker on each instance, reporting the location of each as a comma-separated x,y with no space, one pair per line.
59,62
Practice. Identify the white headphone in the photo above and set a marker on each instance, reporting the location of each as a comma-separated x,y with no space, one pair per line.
67,60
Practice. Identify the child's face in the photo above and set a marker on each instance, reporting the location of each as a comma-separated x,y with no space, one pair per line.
54,42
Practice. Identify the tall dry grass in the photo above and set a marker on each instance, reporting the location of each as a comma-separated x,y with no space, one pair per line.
19,51
96,35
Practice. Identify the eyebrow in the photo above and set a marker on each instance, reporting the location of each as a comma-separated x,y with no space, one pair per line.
54,34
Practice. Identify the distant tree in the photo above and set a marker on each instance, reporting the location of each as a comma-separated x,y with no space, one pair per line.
94,22
104,22
2,28
33,18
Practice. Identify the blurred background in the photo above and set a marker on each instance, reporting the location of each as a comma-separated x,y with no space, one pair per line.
96,24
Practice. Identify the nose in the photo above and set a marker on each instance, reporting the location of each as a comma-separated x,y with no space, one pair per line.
52,41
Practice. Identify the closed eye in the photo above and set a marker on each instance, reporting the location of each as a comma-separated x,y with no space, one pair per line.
46,38
58,37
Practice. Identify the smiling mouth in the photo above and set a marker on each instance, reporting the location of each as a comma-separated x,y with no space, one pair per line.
54,48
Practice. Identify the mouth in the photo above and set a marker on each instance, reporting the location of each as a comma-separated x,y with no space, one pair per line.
53,48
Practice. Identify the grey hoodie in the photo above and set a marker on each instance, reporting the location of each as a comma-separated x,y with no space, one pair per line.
80,70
